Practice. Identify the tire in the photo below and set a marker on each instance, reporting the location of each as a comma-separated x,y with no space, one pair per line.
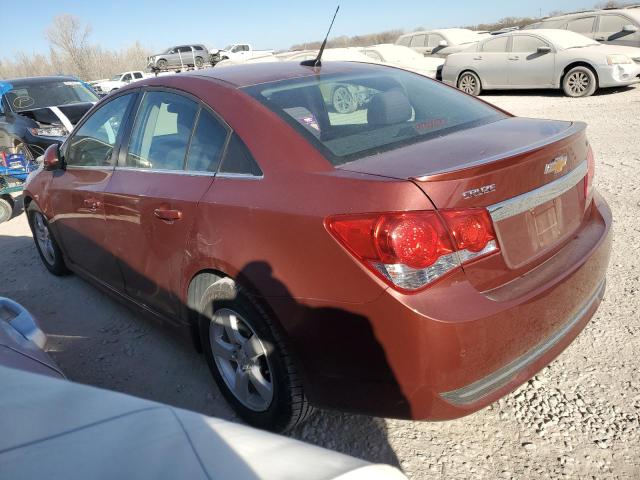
247,356
161,64
343,101
46,244
470,83
199,62
6,209
579,82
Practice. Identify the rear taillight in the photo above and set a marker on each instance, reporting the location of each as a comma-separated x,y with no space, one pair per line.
588,179
3,159
411,250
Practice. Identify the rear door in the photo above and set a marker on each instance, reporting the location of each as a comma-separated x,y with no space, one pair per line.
611,29
419,43
170,162
77,192
528,67
491,62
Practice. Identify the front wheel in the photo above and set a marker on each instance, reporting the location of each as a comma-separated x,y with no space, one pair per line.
6,209
247,356
46,244
199,62
470,83
579,82
161,64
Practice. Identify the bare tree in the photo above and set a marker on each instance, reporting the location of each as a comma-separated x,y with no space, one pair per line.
70,35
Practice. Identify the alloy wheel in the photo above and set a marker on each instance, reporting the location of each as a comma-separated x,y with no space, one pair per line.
578,83
241,359
468,84
343,100
43,237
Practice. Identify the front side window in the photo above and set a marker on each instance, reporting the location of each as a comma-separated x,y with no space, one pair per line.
496,45
161,131
434,40
92,144
206,144
527,44
349,116
137,75
612,24
126,78
582,25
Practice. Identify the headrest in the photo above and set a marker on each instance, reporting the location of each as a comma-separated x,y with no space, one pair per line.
388,108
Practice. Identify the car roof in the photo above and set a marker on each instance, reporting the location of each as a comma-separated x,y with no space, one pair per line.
632,12
36,80
245,75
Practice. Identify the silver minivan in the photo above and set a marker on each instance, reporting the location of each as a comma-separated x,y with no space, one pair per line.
613,26
180,56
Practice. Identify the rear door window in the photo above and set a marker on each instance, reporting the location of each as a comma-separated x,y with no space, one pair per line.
238,159
582,25
496,45
207,143
161,131
418,40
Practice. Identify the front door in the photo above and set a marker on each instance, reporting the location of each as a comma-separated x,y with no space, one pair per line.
152,200
527,66
77,192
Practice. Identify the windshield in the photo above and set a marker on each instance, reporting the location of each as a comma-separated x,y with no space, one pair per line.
228,47
458,37
349,116
564,39
115,78
50,93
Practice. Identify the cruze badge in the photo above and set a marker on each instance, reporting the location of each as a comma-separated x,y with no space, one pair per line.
556,166
476,192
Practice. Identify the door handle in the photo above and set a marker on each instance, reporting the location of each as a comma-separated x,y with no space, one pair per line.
92,204
478,57
167,214
514,58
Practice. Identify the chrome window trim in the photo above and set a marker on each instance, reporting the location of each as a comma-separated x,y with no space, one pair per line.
241,176
485,386
88,167
534,198
191,173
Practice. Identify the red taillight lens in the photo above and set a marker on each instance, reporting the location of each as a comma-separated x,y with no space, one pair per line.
588,180
3,159
412,250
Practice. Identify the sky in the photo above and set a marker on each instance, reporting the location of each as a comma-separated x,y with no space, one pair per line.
275,24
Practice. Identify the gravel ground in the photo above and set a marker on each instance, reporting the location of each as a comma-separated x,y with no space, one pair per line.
578,418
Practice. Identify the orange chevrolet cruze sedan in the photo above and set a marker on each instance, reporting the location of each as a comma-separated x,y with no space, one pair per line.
418,256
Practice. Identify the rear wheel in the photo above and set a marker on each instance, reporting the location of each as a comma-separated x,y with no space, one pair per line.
470,83
46,245
579,82
247,356
6,209
161,64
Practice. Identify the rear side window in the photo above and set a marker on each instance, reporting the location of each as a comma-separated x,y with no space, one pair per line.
418,40
238,159
582,25
349,116
161,132
496,45
206,144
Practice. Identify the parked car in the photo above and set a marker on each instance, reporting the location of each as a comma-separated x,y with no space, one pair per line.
610,26
118,81
440,43
239,52
36,112
403,57
542,59
21,347
179,57
14,169
75,432
383,261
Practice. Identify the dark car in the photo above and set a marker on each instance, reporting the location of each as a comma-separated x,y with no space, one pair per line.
419,257
36,112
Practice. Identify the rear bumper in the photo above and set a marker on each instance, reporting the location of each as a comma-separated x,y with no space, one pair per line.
450,350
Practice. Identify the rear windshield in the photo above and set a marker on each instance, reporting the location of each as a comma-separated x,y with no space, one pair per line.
350,116
48,93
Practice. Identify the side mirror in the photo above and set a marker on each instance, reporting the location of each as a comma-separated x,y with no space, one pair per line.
543,50
630,28
52,158
443,43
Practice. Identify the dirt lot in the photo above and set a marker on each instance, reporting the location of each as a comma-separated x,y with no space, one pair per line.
579,418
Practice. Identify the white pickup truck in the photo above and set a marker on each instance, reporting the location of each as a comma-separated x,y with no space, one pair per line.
237,52
118,81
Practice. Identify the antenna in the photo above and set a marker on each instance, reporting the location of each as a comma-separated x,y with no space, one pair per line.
317,62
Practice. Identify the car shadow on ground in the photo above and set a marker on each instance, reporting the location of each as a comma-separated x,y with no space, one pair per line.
601,92
98,341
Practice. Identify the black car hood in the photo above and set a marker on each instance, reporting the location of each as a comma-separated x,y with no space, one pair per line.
47,116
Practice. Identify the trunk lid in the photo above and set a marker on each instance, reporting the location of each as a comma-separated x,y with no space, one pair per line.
528,173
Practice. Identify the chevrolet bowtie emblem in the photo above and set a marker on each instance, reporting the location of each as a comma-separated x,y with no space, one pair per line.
556,166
